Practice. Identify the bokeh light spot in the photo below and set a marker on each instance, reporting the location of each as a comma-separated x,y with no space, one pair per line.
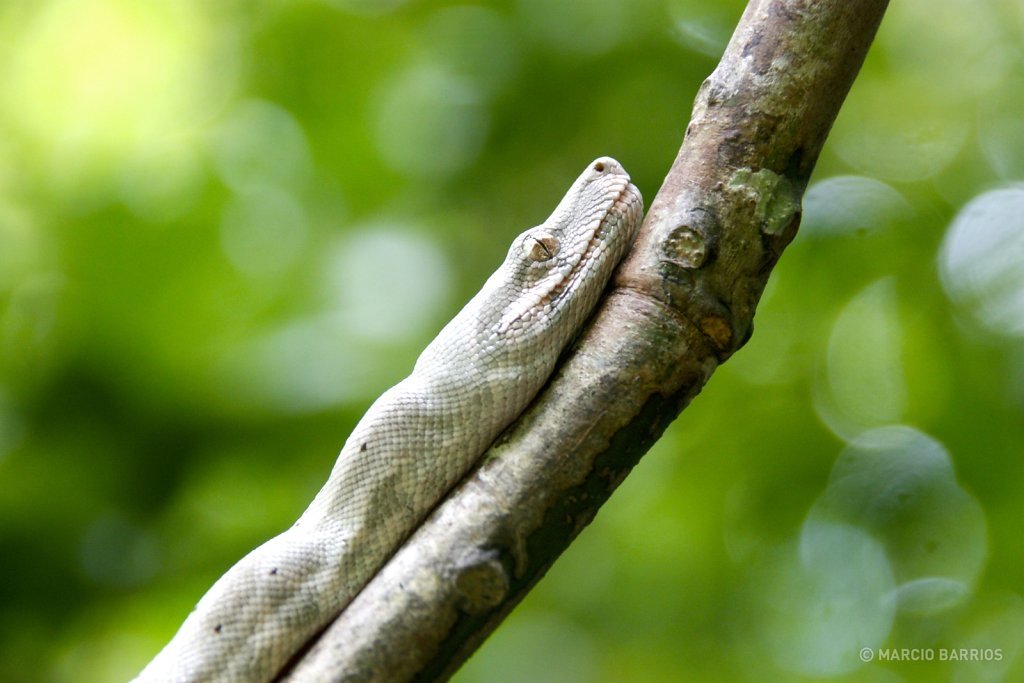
931,595
260,144
474,43
94,79
387,281
982,260
263,232
845,205
429,122
898,484
914,145
384,287
824,601
864,384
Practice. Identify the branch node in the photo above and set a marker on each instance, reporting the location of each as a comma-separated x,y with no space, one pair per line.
718,330
482,585
686,247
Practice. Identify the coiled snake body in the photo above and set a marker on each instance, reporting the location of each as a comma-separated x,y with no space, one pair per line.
414,443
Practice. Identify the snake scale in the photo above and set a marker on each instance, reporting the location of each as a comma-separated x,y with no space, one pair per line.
414,443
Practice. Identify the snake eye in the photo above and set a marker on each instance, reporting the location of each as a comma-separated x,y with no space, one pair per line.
540,246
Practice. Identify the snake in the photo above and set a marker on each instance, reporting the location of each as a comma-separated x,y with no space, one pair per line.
415,442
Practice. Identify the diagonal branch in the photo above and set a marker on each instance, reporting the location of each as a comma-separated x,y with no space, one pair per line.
682,303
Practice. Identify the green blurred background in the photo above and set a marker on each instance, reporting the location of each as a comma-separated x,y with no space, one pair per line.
225,227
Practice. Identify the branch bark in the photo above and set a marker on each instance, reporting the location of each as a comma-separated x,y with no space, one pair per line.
681,304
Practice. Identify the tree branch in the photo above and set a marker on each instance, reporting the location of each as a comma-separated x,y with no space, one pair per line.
681,304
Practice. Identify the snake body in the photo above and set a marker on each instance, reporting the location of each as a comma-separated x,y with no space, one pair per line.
414,443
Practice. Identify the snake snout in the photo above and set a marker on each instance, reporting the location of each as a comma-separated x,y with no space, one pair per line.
608,166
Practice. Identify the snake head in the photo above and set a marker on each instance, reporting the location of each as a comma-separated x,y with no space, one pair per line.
554,273
558,269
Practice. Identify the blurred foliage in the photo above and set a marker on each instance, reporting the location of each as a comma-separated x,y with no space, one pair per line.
226,226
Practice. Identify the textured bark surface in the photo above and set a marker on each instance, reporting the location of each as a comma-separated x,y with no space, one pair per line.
681,304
